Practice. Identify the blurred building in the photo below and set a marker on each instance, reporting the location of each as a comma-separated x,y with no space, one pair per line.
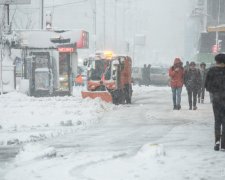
212,41
214,16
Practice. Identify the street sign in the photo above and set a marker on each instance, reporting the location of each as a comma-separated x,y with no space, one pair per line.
66,49
2,2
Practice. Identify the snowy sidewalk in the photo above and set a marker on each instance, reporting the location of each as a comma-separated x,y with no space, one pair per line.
185,153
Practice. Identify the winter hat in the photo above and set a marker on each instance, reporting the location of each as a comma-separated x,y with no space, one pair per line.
220,58
192,63
202,64
177,61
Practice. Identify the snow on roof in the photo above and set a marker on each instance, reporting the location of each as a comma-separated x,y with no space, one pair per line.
42,38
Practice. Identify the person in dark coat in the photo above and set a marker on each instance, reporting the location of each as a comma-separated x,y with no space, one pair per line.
215,84
192,81
187,65
201,93
149,74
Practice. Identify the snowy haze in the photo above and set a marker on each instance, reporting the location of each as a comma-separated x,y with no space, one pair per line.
163,23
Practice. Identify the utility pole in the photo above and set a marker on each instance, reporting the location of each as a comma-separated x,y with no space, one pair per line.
7,10
42,14
94,25
104,25
115,26
1,80
1,44
218,23
126,23
5,29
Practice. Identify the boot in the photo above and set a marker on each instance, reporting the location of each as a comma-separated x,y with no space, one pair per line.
190,107
195,108
178,107
217,141
174,107
217,146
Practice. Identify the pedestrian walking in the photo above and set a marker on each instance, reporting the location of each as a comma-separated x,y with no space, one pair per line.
201,93
192,81
176,73
149,74
187,65
215,84
145,75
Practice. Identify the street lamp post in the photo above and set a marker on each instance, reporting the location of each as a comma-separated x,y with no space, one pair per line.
42,14
218,22
104,24
115,25
1,29
1,80
94,25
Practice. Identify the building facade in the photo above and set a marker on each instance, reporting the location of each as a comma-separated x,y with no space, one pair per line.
212,41
215,12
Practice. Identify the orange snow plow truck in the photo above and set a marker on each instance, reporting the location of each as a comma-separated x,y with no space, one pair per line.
109,78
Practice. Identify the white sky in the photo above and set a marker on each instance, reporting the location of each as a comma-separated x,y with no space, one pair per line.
162,22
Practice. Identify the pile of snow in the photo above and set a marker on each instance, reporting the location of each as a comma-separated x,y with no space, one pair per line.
151,150
35,152
25,119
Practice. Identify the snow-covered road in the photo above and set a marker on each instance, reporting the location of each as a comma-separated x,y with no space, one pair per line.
146,140
122,130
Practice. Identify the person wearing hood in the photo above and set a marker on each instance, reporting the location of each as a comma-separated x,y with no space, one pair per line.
215,84
192,81
176,73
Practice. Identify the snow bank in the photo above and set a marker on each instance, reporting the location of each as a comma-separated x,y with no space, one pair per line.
151,150
34,152
25,118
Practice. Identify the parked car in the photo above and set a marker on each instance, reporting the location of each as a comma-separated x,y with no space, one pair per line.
159,76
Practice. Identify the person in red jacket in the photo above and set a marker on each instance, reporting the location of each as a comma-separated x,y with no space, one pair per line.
79,80
176,73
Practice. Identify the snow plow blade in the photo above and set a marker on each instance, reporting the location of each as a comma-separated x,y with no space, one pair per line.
104,95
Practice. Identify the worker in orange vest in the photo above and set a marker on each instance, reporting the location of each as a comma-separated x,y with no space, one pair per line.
79,80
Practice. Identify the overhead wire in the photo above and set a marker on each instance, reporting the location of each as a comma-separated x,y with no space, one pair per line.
58,5
65,4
